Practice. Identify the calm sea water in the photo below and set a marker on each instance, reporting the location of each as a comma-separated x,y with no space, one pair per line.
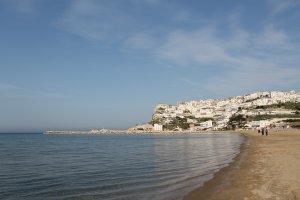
110,167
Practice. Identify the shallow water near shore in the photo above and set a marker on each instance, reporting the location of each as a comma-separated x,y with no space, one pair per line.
112,167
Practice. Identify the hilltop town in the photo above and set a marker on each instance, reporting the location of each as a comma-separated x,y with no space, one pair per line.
252,111
255,110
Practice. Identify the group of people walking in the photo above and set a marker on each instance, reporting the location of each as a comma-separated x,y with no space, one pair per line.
264,131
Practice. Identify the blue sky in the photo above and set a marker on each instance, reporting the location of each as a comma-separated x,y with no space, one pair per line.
82,64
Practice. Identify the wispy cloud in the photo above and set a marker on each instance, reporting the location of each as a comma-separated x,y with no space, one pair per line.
105,21
271,38
23,6
140,41
201,46
264,59
278,6
9,90
126,23
7,87
281,12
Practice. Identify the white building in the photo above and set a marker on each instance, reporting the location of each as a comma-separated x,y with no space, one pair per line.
158,127
260,124
206,125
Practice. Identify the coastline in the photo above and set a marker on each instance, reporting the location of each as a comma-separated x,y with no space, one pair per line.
266,168
140,132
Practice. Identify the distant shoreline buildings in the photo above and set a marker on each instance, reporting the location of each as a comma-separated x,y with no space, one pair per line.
253,110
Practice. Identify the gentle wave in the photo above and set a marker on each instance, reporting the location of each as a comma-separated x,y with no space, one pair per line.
110,167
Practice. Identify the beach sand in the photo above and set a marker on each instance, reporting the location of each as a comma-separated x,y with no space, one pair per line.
268,167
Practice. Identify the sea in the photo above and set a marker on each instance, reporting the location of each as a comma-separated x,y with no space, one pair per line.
111,167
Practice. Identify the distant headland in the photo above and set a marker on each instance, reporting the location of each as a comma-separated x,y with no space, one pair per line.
273,109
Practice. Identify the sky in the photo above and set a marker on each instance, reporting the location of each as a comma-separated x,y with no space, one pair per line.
84,64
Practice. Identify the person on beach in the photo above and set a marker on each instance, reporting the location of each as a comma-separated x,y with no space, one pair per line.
266,131
263,131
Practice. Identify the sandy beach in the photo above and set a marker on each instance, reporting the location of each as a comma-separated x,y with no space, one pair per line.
268,167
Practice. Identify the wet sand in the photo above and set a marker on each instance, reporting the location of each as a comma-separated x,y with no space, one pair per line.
268,167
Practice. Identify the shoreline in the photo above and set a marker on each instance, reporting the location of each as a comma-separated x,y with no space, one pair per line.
141,132
267,167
